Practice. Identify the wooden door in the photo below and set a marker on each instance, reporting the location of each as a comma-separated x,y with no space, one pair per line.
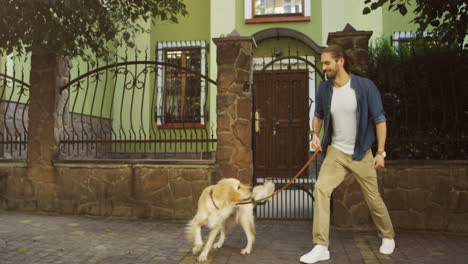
281,144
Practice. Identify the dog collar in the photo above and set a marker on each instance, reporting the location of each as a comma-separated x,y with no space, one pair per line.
211,196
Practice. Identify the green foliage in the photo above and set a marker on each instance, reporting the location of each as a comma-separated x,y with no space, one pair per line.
448,18
423,86
71,27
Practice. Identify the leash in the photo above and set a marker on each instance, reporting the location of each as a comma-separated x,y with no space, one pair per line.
289,183
211,196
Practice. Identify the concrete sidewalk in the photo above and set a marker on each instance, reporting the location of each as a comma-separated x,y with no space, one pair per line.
32,238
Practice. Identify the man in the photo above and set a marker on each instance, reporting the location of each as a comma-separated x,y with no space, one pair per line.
351,110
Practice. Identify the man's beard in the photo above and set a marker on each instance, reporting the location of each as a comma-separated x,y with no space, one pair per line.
332,73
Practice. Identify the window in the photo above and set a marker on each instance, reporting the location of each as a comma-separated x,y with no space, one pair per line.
181,93
182,88
278,7
405,38
261,11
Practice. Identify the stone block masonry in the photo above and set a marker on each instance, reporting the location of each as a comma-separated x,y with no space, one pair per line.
418,196
121,190
234,108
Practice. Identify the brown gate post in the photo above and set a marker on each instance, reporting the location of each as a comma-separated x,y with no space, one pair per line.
356,46
48,73
349,206
234,153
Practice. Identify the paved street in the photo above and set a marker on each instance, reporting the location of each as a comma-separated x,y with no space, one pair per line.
30,238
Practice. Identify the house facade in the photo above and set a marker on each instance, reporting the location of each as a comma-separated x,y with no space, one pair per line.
171,101
294,30
228,91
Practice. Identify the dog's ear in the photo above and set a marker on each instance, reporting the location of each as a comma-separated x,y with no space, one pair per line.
232,195
224,193
218,193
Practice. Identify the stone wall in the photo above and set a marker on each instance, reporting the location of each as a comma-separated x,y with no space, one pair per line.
424,196
430,197
14,185
125,190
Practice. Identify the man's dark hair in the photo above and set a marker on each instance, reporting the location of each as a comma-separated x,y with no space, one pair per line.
337,52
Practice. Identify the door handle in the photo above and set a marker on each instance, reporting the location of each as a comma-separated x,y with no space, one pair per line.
274,127
257,121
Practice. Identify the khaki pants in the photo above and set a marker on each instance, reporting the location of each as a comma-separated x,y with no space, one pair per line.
334,169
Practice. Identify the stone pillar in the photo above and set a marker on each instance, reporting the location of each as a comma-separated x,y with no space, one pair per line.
349,207
356,46
234,153
48,73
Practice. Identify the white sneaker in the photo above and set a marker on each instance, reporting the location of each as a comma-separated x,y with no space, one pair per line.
318,253
387,247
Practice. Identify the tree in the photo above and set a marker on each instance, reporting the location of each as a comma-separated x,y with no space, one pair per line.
68,28
448,18
57,30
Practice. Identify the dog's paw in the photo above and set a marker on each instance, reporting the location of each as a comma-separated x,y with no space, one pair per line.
203,257
196,249
218,245
246,251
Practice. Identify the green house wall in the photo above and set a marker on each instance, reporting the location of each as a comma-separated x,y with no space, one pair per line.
209,19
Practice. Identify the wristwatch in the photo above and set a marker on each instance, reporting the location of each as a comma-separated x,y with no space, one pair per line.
382,153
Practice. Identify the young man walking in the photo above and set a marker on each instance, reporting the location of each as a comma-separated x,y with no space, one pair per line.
350,108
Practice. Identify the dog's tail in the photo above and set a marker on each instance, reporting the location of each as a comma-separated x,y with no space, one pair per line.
190,230
263,191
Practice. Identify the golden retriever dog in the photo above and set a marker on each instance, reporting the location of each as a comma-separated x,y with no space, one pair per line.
218,209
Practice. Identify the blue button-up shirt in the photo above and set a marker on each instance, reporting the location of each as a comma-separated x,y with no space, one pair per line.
369,113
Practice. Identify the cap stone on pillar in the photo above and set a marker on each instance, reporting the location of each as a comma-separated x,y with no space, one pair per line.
356,47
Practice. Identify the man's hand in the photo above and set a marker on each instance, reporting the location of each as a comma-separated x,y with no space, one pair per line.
316,142
378,162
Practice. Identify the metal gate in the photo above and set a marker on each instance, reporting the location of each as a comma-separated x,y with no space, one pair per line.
284,96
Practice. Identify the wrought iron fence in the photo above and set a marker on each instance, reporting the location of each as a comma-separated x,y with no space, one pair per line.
424,93
137,109
14,107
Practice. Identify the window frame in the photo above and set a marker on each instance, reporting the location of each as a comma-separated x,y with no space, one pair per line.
251,18
277,15
162,49
401,37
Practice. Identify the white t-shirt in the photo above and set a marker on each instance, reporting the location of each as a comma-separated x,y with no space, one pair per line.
343,115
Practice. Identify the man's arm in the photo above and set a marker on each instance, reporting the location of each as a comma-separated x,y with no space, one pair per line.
381,131
375,104
318,118
316,126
